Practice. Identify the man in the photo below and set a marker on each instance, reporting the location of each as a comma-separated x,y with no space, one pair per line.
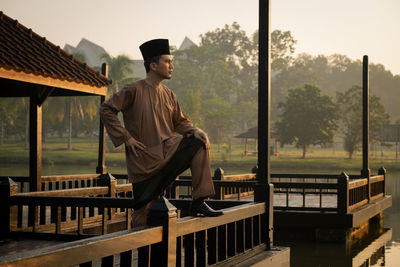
155,156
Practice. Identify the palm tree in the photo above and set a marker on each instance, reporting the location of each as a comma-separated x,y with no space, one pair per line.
119,71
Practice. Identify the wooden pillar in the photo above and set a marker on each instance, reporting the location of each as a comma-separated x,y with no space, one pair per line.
262,190
366,172
35,142
101,162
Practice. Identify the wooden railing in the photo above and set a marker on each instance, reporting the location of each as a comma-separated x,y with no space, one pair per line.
69,210
200,241
346,193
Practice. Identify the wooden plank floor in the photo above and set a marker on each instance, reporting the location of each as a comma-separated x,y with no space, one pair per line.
296,200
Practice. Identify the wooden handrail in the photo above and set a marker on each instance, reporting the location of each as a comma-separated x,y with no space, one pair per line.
357,183
59,178
88,191
81,251
187,224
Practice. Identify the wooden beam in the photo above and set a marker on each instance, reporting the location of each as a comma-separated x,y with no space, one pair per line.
51,82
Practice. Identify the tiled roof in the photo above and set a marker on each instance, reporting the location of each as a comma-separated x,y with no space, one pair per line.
23,50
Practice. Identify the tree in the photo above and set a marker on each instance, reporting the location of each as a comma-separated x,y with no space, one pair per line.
350,108
119,71
308,118
282,48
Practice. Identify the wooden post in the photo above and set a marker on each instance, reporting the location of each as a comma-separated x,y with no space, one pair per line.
343,193
101,163
382,171
366,172
262,188
35,142
219,176
162,212
110,181
8,214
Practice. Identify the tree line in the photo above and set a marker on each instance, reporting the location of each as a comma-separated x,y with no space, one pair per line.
315,99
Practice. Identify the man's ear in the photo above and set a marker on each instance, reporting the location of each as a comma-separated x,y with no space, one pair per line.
153,66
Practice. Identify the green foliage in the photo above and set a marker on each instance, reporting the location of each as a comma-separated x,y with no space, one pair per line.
350,107
308,118
119,71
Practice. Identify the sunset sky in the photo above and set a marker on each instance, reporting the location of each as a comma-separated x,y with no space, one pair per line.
353,28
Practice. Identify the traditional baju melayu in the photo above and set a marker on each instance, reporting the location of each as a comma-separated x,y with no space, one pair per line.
153,116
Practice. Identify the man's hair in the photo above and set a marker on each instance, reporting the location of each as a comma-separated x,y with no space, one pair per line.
148,61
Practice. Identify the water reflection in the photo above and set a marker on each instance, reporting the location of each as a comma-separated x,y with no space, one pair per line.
371,252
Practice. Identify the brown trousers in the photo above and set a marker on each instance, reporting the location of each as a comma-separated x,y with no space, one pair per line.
190,153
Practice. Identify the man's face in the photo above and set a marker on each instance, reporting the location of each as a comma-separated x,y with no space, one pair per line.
164,68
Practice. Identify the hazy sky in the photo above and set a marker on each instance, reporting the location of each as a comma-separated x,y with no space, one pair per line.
350,27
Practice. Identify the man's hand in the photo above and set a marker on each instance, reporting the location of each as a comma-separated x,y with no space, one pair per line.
202,136
132,144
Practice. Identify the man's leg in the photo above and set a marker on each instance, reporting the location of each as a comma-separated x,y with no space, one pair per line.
139,216
190,153
203,186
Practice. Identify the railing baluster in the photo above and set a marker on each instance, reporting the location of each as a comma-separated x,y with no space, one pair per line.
248,233
240,236
108,261
80,220
63,213
58,220
221,242
104,220
126,259
179,246
42,215
201,249
188,243
231,239
73,213
256,230
20,216
144,256
212,241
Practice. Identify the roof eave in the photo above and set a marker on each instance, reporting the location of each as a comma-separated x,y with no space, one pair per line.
51,82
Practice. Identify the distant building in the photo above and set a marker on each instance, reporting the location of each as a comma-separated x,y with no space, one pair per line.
93,54
186,44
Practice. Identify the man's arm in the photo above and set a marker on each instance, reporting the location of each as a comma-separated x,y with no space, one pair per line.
108,114
185,127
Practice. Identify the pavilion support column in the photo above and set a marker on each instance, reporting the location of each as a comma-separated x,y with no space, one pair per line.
35,142
101,163
366,172
263,190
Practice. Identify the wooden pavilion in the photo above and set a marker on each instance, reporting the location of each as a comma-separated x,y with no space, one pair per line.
31,66
252,133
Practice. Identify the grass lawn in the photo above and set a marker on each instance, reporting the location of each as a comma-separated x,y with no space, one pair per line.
288,159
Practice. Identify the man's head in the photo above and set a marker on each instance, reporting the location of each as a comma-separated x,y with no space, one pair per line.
157,57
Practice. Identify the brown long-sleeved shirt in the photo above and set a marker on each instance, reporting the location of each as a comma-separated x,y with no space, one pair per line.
151,116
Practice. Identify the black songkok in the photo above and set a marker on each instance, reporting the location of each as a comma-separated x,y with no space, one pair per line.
155,47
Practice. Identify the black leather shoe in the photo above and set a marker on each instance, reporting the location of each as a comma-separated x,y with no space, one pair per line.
205,210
